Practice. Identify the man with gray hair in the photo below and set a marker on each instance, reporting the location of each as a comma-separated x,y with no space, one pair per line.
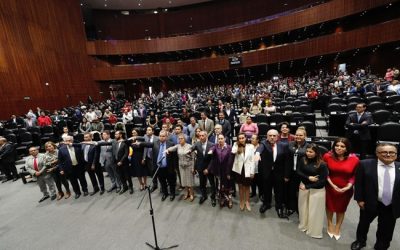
35,165
274,169
377,192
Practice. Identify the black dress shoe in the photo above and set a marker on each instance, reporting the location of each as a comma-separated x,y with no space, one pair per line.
290,212
131,190
102,191
53,197
44,198
94,192
123,190
111,189
202,199
281,213
356,245
172,198
213,202
164,197
8,179
85,193
153,188
264,208
77,196
118,190
16,178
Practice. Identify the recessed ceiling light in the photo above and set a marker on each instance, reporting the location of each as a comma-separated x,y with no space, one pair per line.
139,4
105,5
81,4
155,12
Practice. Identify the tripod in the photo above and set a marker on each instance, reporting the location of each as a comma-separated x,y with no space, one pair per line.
156,247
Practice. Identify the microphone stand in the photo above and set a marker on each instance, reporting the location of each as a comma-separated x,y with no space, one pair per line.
155,247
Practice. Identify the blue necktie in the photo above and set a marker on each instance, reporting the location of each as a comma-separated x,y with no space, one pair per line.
161,161
386,192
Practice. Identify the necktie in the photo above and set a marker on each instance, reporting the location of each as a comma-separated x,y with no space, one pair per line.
273,152
386,194
160,155
86,151
35,165
358,117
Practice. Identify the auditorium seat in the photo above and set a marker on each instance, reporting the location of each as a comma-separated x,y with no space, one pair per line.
374,106
389,132
381,116
78,137
303,108
373,98
310,128
261,118
396,107
337,100
351,106
334,107
392,99
275,119
11,138
355,99
262,129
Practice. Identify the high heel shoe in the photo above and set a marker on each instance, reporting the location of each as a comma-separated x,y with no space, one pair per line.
337,237
230,204
330,234
191,198
241,206
248,206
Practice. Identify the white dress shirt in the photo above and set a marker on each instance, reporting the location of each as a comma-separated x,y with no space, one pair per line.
381,174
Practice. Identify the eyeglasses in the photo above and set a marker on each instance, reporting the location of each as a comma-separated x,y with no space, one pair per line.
390,153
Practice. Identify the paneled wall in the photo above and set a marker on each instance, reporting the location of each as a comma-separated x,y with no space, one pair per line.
363,37
328,11
42,42
190,19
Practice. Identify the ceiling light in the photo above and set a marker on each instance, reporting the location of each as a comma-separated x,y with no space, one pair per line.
155,12
125,12
105,5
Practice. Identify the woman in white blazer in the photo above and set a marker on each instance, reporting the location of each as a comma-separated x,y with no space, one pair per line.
243,169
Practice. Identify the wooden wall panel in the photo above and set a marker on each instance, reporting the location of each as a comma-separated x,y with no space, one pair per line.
364,37
331,10
43,41
190,19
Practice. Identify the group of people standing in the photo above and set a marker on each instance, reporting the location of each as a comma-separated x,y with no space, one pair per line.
303,180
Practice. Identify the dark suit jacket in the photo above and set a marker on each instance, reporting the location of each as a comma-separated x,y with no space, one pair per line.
226,127
282,162
202,160
91,154
366,186
64,159
231,117
172,159
121,154
362,129
8,154
212,139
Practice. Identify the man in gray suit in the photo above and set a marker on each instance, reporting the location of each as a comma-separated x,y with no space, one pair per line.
105,157
206,124
34,164
148,155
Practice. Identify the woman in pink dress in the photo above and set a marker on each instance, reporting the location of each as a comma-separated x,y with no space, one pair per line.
339,190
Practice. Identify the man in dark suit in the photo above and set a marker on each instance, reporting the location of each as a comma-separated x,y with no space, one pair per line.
120,152
7,160
16,121
148,155
91,165
165,162
226,125
377,192
202,160
71,163
274,170
357,128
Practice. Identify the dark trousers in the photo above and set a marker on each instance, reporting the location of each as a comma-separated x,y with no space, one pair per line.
274,181
257,183
291,191
77,173
386,224
203,184
124,173
167,178
60,180
149,165
98,171
9,170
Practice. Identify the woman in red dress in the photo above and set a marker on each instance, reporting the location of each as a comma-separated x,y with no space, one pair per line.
339,190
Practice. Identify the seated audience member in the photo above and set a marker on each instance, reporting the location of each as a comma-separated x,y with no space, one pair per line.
35,165
91,115
127,117
191,127
65,133
43,120
270,108
243,116
313,173
378,195
152,120
255,107
285,136
169,117
97,125
30,122
112,119
226,125
16,120
84,126
249,128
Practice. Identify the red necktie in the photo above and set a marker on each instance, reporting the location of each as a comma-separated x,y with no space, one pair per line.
35,165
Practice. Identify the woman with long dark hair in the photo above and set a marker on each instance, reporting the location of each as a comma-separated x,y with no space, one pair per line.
313,173
339,190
